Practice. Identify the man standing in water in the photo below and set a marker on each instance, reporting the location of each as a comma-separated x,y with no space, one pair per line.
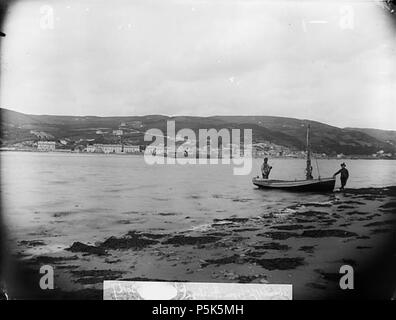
344,175
265,169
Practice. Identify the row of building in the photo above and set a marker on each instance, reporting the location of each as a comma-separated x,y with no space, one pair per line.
113,148
48,146
258,150
191,150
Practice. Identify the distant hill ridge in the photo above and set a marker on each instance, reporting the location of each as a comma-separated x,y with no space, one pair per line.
290,132
382,135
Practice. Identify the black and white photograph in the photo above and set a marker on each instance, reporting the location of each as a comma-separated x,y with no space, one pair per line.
198,150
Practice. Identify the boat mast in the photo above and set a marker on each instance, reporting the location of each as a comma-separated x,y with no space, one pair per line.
308,170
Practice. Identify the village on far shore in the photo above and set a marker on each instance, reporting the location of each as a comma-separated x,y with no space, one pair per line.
274,137
184,147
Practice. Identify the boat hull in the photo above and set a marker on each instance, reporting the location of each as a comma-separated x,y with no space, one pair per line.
314,185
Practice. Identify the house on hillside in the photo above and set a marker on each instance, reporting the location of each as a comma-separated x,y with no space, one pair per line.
46,146
131,149
118,132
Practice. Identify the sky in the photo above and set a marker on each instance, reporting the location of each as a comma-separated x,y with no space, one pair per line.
329,61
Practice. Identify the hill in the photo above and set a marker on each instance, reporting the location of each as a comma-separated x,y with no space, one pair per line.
289,132
388,136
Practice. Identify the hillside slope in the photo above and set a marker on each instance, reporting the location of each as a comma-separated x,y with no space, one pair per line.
18,127
388,136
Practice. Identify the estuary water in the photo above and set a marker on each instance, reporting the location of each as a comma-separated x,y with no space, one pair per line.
91,195
113,217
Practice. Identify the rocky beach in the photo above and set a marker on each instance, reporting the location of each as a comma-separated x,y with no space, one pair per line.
304,244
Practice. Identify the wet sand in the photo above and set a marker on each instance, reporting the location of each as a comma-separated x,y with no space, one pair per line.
304,244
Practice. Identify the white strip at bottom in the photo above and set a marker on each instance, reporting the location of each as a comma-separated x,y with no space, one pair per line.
151,290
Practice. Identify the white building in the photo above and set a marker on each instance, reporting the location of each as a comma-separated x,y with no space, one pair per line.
105,148
46,146
156,150
112,148
91,148
117,132
131,149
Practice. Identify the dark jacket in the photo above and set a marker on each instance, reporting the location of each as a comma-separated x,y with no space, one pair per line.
344,173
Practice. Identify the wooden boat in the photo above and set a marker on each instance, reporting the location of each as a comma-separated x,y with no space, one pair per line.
309,184
313,185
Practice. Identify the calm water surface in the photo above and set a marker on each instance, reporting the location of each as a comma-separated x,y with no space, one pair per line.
89,197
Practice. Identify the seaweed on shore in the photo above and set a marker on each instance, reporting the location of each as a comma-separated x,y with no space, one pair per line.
380,223
219,234
245,229
280,263
328,222
256,254
328,275
95,276
38,260
316,204
387,191
272,246
152,235
225,260
313,213
249,279
231,220
356,212
327,233
62,214
363,247
353,202
124,221
344,206
317,233
190,240
291,227
388,205
81,247
380,230
300,220
387,211
307,249
345,224
167,214
241,200
363,237
132,240
316,285
279,235
32,243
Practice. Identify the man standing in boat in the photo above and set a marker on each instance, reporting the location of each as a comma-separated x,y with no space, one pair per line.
344,175
265,169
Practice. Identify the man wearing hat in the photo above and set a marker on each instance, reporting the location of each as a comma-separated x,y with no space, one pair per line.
344,175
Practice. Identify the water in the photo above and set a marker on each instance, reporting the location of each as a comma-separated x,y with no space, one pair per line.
203,222
90,196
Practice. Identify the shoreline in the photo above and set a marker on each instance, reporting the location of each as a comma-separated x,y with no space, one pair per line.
59,151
